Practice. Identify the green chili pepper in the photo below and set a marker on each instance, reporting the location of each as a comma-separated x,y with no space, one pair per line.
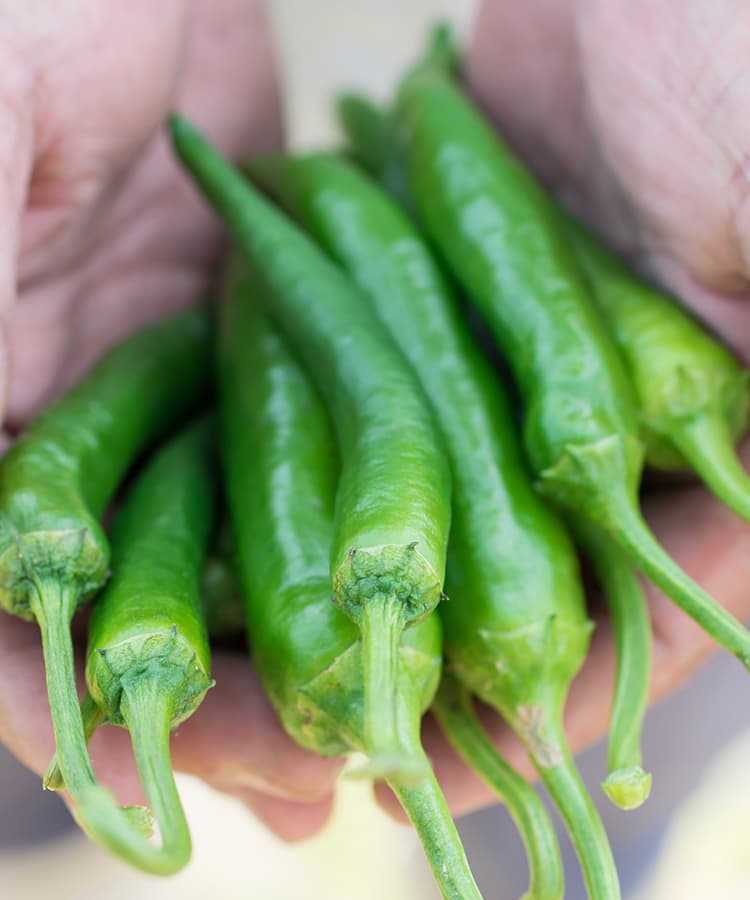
393,501
505,241
692,392
627,784
54,485
281,464
512,568
148,659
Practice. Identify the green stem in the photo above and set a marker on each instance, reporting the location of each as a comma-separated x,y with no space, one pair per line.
381,625
454,711
92,717
581,817
626,525
706,443
425,805
627,784
94,808
53,605
147,707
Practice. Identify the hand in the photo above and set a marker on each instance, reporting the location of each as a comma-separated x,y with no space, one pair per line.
636,114
100,233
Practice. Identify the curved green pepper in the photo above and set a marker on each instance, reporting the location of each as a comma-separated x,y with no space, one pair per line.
692,392
148,660
393,500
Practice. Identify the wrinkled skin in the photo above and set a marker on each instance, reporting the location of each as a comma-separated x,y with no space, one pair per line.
636,113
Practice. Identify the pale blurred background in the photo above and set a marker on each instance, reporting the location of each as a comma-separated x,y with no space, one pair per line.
690,842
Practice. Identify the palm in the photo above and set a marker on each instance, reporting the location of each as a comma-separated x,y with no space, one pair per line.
636,114
143,266
110,233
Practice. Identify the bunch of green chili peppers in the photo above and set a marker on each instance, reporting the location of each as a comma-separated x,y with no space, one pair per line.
370,453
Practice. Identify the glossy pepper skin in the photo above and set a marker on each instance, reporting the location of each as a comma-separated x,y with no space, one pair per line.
281,467
504,240
153,600
54,484
505,533
516,629
692,393
148,659
506,243
393,500
373,144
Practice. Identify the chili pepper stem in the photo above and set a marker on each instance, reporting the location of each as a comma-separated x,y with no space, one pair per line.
92,717
454,711
381,624
120,830
147,707
626,525
627,788
560,777
53,605
627,785
425,805
706,443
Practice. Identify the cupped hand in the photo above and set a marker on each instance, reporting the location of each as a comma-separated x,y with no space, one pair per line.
100,233
635,114
638,116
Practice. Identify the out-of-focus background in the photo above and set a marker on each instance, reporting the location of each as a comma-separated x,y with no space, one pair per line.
690,842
